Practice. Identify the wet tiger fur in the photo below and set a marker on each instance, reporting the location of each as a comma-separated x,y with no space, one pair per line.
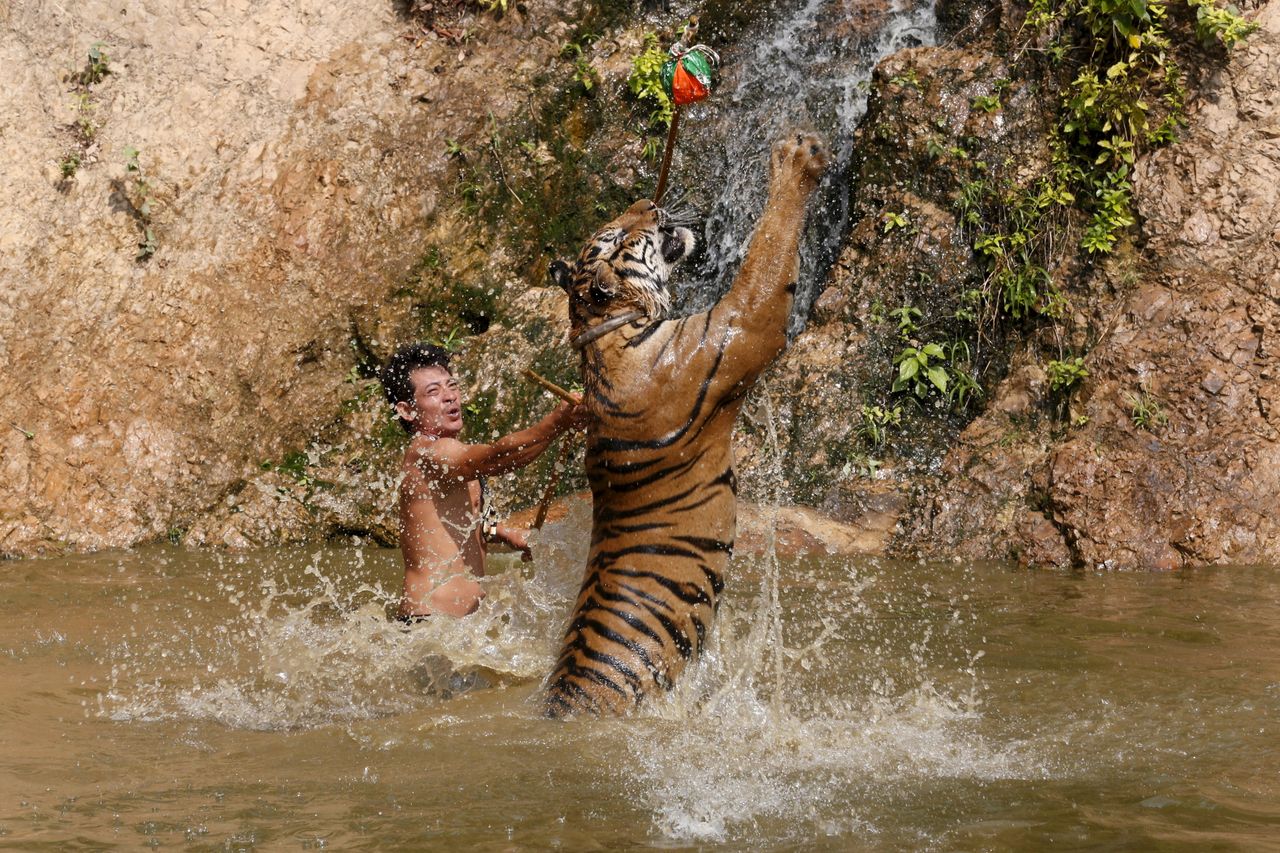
664,395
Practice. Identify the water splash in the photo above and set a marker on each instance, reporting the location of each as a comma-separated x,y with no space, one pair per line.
757,732
273,646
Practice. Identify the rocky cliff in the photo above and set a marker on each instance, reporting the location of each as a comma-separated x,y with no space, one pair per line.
187,333
190,231
1171,453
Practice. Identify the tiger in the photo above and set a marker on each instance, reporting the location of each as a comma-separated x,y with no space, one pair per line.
664,394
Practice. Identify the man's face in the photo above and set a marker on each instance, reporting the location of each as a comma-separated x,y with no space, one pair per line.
437,402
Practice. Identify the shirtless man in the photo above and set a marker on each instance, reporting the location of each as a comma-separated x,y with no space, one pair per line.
441,495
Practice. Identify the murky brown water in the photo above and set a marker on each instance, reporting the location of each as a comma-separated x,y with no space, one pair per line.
173,698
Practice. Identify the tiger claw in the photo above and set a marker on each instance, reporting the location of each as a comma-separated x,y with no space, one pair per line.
806,154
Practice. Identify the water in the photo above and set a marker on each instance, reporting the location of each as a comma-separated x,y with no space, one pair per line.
262,701
809,70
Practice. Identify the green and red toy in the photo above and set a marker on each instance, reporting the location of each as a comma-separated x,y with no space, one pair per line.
686,77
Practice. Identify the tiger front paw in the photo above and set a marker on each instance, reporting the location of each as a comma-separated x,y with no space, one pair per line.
799,161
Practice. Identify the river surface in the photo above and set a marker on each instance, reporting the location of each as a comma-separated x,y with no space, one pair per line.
176,698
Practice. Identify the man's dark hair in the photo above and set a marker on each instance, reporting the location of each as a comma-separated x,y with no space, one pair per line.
395,375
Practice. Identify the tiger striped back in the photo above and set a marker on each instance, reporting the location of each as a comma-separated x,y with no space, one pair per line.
664,395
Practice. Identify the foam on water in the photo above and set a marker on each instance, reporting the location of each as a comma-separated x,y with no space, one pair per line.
321,650
759,731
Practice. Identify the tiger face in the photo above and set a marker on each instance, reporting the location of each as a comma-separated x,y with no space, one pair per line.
625,266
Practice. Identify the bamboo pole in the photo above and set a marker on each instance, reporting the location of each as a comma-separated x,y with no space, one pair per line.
548,385
549,494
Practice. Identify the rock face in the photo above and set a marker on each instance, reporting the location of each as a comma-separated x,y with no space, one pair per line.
1175,457
290,158
295,163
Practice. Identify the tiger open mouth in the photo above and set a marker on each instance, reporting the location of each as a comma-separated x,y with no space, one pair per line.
677,243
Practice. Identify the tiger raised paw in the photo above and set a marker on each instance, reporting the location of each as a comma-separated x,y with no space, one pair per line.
664,395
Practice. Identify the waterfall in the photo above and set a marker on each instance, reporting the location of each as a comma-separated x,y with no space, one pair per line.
807,70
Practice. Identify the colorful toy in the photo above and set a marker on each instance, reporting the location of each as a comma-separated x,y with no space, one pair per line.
686,77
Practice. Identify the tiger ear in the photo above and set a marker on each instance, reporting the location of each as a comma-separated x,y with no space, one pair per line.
605,285
560,274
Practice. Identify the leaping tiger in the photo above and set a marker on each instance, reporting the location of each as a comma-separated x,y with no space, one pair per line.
664,395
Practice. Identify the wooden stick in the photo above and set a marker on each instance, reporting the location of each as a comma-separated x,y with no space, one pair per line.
548,385
666,156
549,494
688,36
566,445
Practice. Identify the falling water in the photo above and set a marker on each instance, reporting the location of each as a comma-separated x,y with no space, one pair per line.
808,71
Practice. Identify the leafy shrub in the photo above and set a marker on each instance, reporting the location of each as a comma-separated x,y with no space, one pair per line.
645,81
1064,374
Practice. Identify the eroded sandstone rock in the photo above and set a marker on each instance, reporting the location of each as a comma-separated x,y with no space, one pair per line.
1174,455
293,156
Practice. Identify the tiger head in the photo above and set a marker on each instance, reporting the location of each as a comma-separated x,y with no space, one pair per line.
625,266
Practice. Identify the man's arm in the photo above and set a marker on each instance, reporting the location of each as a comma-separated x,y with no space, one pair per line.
468,461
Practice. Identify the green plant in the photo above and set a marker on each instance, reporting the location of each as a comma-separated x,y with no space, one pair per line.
98,66
645,81
893,220
875,311
987,103
452,148
906,78
147,246
140,198
69,164
861,464
1122,94
919,368
579,44
1064,374
86,125
1146,412
969,201
991,245
584,75
875,424
1223,24
970,302
907,316
451,341
964,386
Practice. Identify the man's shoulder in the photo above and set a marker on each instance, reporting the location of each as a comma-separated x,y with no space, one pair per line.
435,452
434,446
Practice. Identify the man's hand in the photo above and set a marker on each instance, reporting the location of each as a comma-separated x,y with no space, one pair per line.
517,540
573,415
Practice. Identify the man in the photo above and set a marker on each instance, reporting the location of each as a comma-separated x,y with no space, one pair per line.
442,496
